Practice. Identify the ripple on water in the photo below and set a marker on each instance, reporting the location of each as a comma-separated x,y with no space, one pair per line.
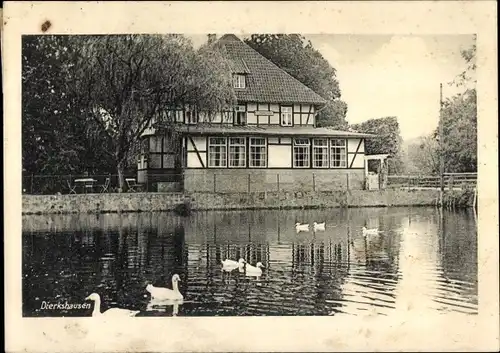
421,261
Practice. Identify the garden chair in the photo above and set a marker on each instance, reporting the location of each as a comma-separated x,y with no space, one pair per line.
132,185
105,186
71,188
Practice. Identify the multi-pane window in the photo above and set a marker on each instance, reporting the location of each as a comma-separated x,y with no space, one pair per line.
320,153
239,81
217,152
172,115
240,115
286,116
338,153
258,156
191,116
237,152
227,117
301,149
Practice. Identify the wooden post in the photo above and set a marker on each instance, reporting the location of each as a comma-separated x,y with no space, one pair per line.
248,183
347,180
278,181
32,176
314,183
215,183
441,137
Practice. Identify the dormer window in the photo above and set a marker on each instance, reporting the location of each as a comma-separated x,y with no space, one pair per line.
286,116
191,116
239,81
240,115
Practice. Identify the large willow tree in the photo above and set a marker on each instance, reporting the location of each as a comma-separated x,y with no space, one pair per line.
116,86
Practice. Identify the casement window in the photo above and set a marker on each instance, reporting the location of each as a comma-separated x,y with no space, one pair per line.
239,81
320,153
338,153
237,152
178,116
258,153
217,151
191,116
301,150
286,116
227,117
173,115
240,115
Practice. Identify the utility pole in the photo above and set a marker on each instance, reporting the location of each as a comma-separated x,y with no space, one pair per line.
441,137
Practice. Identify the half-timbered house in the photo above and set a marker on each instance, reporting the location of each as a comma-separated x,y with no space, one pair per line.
268,142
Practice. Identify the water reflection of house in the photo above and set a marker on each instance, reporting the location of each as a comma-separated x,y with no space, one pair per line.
252,253
319,254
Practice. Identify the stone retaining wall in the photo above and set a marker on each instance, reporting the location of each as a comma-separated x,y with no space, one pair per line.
153,202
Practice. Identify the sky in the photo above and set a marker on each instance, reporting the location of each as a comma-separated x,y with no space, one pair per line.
390,75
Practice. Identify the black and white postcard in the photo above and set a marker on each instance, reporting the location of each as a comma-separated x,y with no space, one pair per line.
250,176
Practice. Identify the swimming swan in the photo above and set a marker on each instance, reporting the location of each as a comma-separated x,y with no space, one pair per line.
254,270
161,293
302,227
370,231
230,265
110,312
319,226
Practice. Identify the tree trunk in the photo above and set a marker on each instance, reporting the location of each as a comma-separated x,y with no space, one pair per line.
121,178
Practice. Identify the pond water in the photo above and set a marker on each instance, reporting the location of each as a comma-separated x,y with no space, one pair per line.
423,259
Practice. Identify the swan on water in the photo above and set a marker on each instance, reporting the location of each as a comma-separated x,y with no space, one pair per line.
319,226
166,293
110,312
302,227
230,265
370,231
254,270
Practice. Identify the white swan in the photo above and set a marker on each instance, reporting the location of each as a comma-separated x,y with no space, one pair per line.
161,293
254,270
110,312
230,265
302,227
319,226
370,231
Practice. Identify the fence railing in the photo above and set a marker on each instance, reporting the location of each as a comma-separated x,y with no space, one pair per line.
231,182
238,181
78,184
451,181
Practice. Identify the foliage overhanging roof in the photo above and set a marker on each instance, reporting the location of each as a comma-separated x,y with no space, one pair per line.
265,81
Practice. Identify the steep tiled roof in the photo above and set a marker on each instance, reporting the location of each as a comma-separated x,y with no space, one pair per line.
265,81
208,128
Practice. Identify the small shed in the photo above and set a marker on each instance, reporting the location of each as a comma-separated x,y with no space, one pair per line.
376,180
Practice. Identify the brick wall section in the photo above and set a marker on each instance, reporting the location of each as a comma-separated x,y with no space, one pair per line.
153,202
271,180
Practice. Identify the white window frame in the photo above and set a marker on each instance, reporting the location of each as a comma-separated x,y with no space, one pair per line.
239,81
286,116
320,150
241,109
215,143
193,116
304,145
262,146
237,143
227,117
338,147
